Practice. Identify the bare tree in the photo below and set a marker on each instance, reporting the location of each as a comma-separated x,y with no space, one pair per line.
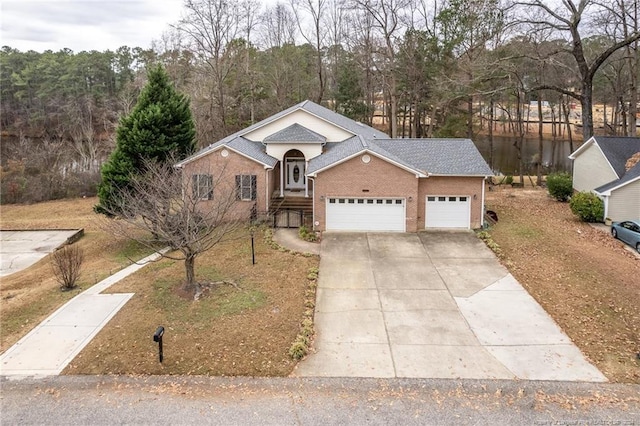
314,34
387,16
189,213
66,264
277,26
570,16
210,26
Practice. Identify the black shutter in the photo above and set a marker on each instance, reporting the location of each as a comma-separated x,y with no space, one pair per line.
238,187
210,187
194,186
253,187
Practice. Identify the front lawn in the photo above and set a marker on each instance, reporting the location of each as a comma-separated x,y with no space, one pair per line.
243,327
582,277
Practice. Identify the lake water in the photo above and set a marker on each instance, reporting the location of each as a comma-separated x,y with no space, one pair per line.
555,154
505,159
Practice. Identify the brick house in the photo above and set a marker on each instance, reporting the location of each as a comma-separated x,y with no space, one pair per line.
347,176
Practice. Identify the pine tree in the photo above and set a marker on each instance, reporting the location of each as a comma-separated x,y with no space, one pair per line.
160,128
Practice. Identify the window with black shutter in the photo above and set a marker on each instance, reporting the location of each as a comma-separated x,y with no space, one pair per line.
246,187
202,187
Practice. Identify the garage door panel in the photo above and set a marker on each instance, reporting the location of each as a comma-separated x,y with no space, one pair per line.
448,211
365,214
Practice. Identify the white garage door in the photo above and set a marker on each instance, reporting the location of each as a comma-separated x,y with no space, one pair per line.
365,214
451,211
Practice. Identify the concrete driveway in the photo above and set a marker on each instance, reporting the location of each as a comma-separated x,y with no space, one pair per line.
431,305
21,249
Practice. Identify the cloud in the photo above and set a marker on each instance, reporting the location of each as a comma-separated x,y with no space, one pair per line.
85,24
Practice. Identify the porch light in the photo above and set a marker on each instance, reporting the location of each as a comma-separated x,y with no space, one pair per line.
410,198
322,198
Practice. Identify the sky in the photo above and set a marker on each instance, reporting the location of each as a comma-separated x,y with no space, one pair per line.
84,24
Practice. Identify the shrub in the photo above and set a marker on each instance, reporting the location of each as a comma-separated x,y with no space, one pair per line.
307,234
587,206
66,264
560,186
299,349
508,180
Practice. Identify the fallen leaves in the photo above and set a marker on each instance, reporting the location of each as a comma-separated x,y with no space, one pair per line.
586,280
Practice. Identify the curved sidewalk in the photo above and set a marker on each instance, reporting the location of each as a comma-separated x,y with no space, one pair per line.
52,344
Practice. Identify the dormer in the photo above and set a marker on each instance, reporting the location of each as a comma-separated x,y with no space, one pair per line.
297,137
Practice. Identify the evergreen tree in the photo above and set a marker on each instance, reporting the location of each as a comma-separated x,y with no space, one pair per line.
160,128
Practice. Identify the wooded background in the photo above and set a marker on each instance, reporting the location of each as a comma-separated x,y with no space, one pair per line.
414,68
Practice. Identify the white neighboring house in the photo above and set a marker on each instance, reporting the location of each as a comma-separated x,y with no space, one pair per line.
602,165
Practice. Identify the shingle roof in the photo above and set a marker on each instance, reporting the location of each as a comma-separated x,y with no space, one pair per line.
251,149
618,150
342,121
312,108
632,174
438,156
296,134
458,157
334,152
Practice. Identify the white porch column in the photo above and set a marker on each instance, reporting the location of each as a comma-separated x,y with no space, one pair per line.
306,181
282,178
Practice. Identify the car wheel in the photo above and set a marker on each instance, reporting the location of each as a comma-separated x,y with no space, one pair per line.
614,233
638,247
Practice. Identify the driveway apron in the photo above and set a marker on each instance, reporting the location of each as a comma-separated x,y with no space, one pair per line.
431,305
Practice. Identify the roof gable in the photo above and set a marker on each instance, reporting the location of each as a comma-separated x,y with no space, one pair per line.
632,175
616,150
295,133
455,157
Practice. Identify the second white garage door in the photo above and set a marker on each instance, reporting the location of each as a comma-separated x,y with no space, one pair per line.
448,212
365,214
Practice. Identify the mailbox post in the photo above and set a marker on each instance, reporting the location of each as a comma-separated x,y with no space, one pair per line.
253,250
157,337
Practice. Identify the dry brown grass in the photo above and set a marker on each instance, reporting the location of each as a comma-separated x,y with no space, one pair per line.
29,296
583,278
244,331
231,331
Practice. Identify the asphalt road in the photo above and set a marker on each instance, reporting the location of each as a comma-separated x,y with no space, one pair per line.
159,400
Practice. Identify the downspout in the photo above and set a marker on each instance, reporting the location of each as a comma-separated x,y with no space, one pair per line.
266,190
482,210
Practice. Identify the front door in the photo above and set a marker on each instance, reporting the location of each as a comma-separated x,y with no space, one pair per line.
295,174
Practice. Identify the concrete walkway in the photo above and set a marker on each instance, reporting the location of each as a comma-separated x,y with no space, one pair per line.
431,305
51,346
289,238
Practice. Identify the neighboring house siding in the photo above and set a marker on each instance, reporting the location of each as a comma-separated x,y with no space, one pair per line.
378,178
311,122
460,186
624,203
223,171
591,170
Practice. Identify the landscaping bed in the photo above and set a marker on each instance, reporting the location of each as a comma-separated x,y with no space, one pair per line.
586,280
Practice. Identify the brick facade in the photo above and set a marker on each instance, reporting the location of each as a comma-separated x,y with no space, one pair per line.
452,185
223,170
378,178
353,178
